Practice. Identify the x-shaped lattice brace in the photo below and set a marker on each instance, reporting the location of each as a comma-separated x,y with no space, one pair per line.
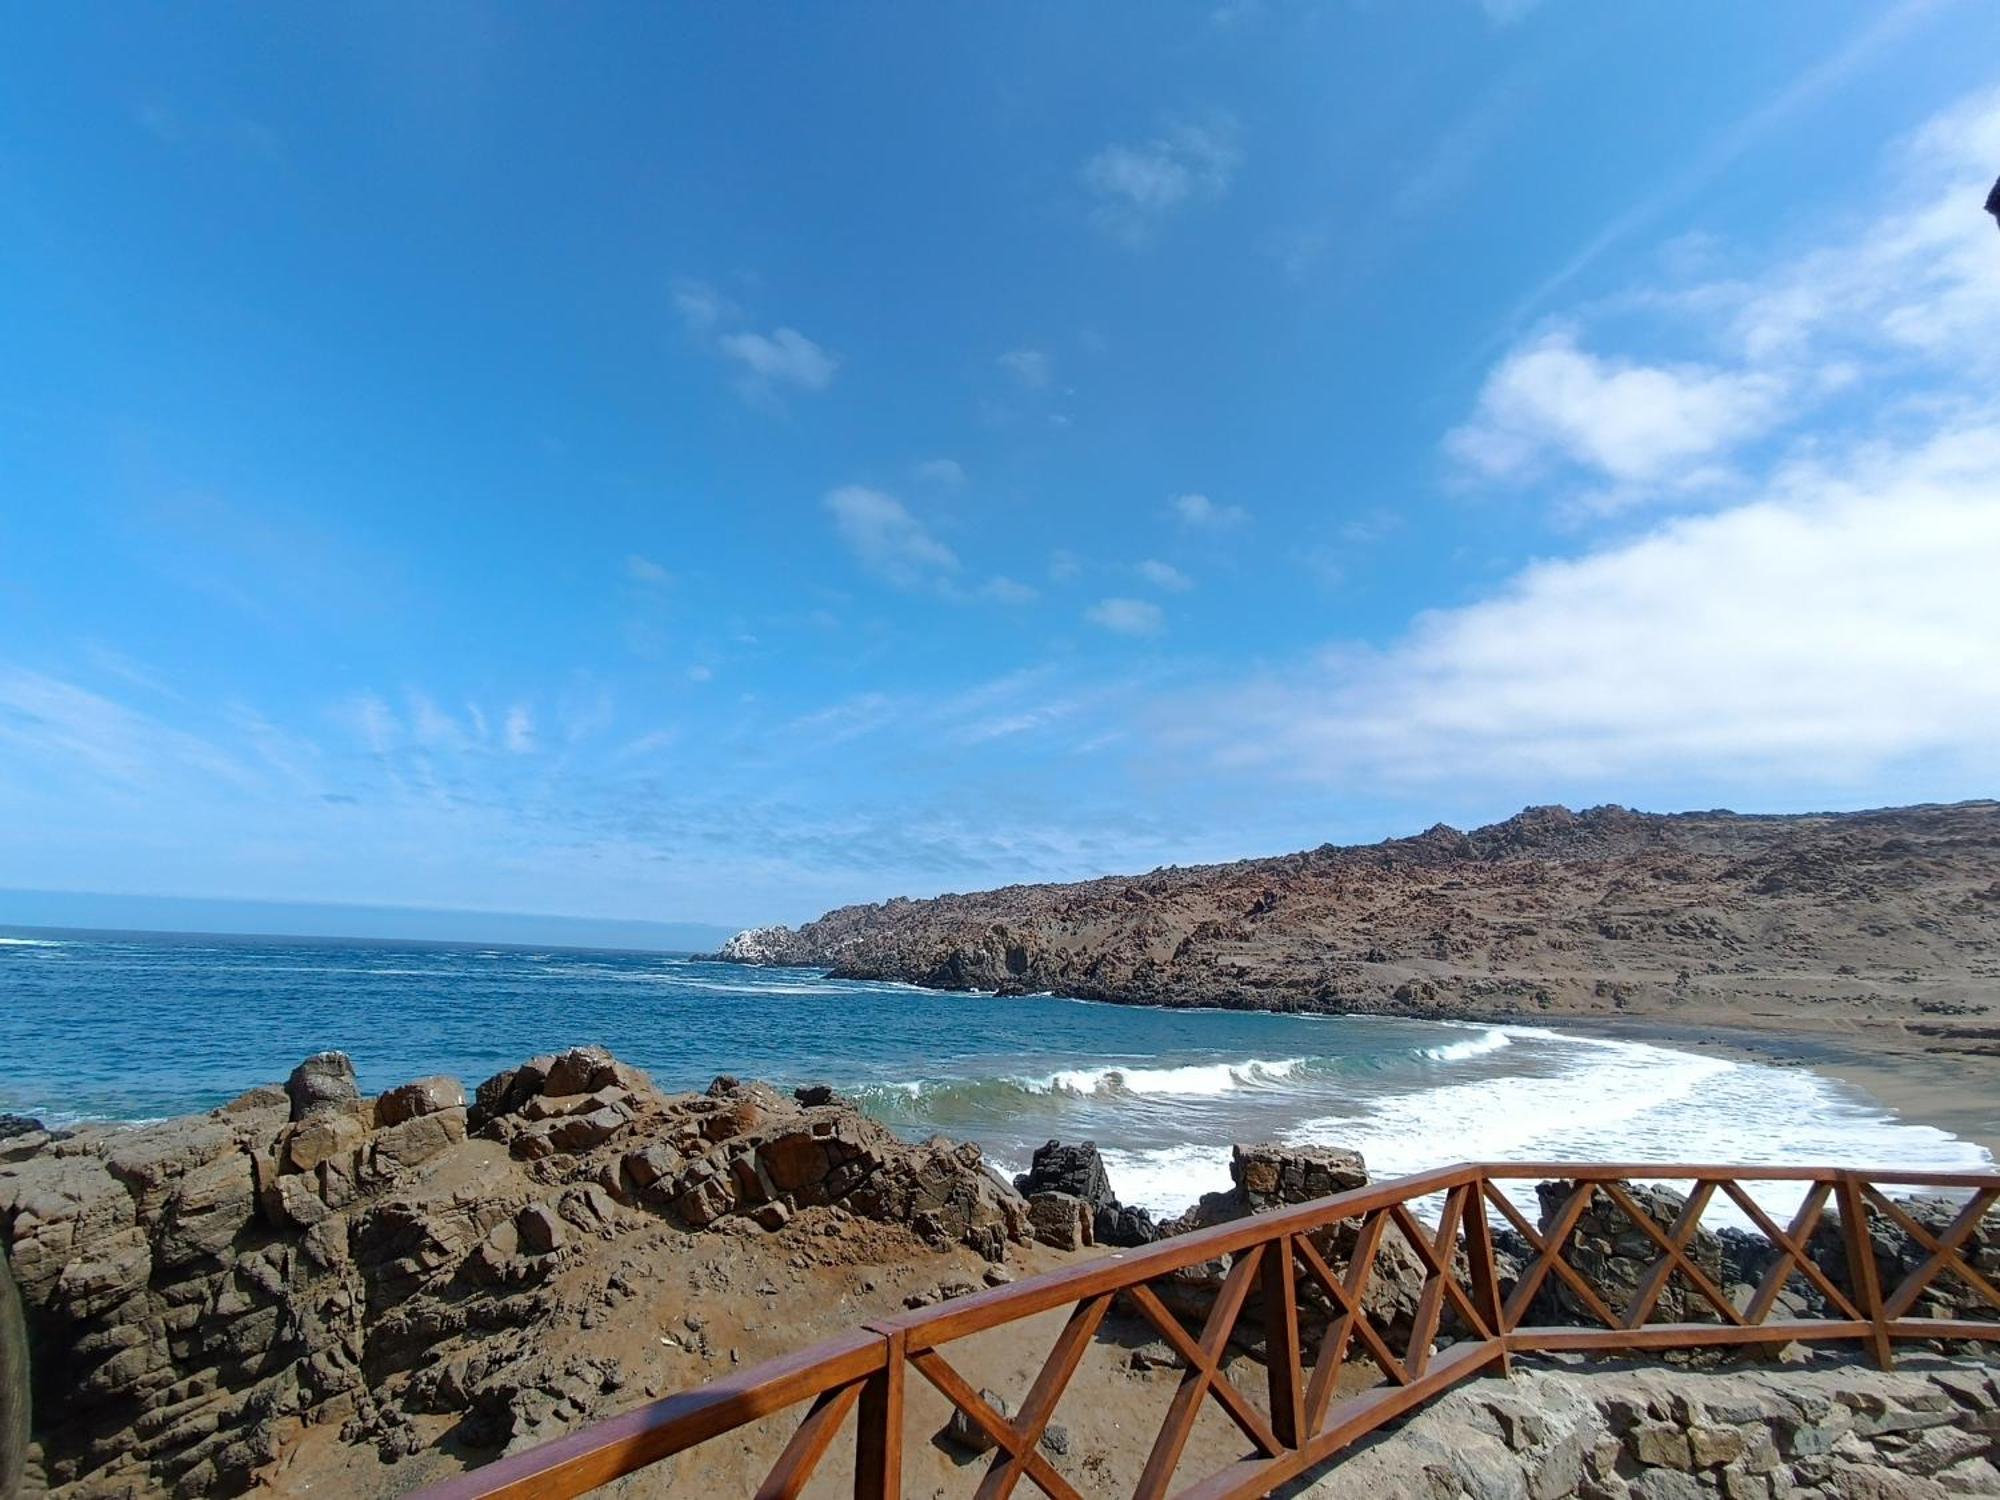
1203,1376
1792,1244
1943,1250
1440,1282
1019,1441
1673,1255
1548,1256
1347,1293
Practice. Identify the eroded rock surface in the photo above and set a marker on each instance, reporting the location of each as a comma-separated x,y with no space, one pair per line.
200,1291
1845,1432
1884,920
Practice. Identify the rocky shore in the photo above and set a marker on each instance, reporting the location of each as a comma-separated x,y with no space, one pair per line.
309,1288
1885,921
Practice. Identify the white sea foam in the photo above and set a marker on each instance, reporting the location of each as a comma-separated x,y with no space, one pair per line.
1636,1102
1195,1080
7,942
1491,1040
1167,1180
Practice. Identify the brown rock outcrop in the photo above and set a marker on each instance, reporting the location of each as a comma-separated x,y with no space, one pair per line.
1882,919
200,1291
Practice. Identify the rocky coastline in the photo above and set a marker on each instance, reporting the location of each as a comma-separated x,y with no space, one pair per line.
312,1288
1888,920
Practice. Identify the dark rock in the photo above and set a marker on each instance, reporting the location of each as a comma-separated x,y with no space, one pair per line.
323,1082
815,1094
962,1432
1079,1172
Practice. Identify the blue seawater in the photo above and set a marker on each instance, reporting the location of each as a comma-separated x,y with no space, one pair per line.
138,1026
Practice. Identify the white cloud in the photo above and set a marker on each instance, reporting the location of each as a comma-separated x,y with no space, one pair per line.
702,307
1904,301
1835,627
1165,575
1126,616
700,673
1031,367
431,726
644,570
887,540
1203,513
519,729
782,357
767,363
1139,187
1630,422
945,473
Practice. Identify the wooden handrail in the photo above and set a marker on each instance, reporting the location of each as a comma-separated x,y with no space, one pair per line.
859,1376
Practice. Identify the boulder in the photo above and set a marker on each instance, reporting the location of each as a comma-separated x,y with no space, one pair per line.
1079,1171
1060,1220
425,1096
323,1082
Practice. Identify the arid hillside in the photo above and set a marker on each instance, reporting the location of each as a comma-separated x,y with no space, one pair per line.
1886,919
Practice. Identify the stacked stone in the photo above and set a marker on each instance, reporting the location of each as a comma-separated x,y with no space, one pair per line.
1658,1434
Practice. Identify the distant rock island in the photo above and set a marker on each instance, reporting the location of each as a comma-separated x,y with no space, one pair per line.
1886,920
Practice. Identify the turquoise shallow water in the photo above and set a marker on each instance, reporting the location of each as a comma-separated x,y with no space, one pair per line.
140,1026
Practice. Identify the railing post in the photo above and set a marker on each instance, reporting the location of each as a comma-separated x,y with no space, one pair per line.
1861,1268
878,1429
1281,1343
1484,1272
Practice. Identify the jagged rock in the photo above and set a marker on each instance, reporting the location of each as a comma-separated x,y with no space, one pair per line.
219,1281
424,1096
1079,1172
323,1081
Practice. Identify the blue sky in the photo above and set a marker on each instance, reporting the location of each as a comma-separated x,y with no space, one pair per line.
713,463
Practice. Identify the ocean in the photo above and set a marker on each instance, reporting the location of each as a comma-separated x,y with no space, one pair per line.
110,1026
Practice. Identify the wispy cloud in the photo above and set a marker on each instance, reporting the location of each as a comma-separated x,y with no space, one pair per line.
1204,514
768,364
783,357
943,473
1164,575
1127,616
1032,368
642,569
887,540
1908,300
1003,590
1138,187
1867,45
518,730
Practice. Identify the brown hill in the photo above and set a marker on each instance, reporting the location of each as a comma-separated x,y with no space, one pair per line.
1885,919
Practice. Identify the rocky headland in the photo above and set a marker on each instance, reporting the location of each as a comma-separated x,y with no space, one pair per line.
1890,916
1850,938
313,1289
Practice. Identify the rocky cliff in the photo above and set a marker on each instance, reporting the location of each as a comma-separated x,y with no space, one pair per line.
1889,917
207,1296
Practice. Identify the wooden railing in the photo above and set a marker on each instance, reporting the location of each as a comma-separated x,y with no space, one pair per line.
1272,1261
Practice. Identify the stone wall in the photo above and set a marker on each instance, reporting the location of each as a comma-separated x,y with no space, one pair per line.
1926,1432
